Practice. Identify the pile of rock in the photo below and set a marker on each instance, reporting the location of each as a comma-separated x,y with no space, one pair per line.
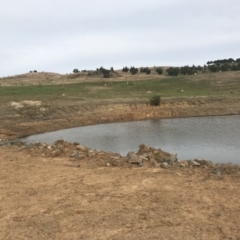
151,157
145,157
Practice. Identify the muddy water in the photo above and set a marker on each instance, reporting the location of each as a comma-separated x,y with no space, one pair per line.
213,138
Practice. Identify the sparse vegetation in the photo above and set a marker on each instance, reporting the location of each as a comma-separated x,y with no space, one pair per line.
155,101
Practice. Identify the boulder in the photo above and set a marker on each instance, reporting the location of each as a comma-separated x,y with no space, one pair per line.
158,154
56,153
164,165
74,154
193,163
82,148
204,162
183,163
133,158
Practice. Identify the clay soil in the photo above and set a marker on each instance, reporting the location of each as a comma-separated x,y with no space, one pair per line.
61,198
54,197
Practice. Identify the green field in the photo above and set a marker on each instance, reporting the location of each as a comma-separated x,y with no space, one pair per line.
180,86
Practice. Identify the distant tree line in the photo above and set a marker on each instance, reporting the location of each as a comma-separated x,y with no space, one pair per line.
185,70
106,73
224,65
222,61
146,70
221,65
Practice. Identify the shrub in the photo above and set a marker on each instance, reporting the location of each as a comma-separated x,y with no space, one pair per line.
155,101
125,69
159,70
75,70
133,70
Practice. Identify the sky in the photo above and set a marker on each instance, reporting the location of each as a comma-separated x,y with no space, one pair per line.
60,35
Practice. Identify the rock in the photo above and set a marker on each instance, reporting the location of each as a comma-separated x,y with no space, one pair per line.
143,158
2,143
170,159
82,148
158,154
164,165
133,158
49,148
74,154
141,164
193,163
183,163
108,164
56,153
91,153
203,162
218,171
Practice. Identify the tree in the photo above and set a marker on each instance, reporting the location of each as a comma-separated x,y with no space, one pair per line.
148,71
133,70
125,69
145,70
105,72
159,70
75,70
224,67
173,71
213,68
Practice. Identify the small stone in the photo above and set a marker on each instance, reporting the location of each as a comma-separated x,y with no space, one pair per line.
79,147
56,153
219,171
108,164
183,163
74,154
133,158
143,158
193,163
164,165
141,164
49,147
203,162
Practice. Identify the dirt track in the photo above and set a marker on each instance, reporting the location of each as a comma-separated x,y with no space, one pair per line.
46,197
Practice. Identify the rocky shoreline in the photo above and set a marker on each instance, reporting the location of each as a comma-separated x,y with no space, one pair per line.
146,157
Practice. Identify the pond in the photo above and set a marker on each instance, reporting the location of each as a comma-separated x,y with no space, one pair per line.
213,138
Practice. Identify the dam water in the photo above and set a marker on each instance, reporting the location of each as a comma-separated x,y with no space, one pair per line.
213,138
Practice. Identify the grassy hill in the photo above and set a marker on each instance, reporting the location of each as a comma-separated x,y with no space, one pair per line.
86,85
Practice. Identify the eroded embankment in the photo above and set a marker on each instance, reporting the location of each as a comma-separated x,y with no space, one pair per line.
26,118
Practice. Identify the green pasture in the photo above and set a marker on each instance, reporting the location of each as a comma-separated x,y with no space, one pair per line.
168,87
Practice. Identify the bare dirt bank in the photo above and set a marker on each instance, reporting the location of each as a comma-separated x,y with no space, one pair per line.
67,191
60,114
